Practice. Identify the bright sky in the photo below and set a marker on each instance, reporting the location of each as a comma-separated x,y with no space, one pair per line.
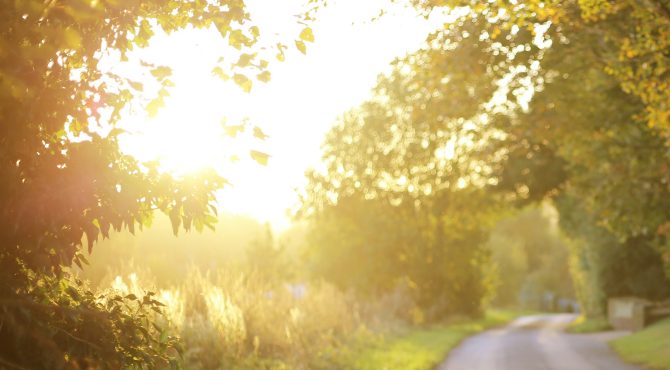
296,109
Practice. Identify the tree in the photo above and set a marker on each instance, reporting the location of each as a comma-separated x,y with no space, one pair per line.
402,200
65,179
558,114
606,266
632,39
622,50
614,168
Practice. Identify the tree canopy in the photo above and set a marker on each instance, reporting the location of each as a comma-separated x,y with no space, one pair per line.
509,103
523,101
66,182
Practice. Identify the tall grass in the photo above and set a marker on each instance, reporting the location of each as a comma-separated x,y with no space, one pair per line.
240,319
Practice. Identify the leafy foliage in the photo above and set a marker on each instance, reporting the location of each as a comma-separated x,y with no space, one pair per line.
401,202
632,38
604,266
65,180
75,328
577,113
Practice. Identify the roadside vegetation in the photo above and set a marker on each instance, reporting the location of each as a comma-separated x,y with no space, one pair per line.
242,321
584,324
649,347
240,316
518,158
424,348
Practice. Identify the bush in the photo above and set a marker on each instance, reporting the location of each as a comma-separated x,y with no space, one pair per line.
56,322
238,319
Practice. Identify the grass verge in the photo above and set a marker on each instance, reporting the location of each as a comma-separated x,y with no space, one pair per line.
649,347
589,325
424,348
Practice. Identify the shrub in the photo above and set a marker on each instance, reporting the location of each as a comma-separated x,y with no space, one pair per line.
239,319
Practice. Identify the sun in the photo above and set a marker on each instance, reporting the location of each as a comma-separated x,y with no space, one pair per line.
191,132
296,108
188,134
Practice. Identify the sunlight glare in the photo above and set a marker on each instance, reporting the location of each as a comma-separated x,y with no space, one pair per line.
296,108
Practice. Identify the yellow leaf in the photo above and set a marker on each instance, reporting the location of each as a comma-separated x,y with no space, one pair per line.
136,85
255,32
259,157
264,76
72,38
495,33
233,130
243,81
307,35
161,72
218,71
301,46
245,60
258,133
154,105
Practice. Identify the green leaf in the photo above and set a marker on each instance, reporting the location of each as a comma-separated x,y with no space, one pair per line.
307,35
212,207
175,219
259,157
73,293
198,225
91,237
130,224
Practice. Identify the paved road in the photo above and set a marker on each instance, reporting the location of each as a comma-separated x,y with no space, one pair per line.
536,343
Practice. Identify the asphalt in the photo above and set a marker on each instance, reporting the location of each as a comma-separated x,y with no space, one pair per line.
536,343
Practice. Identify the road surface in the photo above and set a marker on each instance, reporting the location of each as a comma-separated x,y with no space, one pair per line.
536,343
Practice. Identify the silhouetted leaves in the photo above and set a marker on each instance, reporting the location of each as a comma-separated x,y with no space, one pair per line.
65,183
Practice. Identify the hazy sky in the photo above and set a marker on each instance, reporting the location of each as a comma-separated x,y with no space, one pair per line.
296,109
